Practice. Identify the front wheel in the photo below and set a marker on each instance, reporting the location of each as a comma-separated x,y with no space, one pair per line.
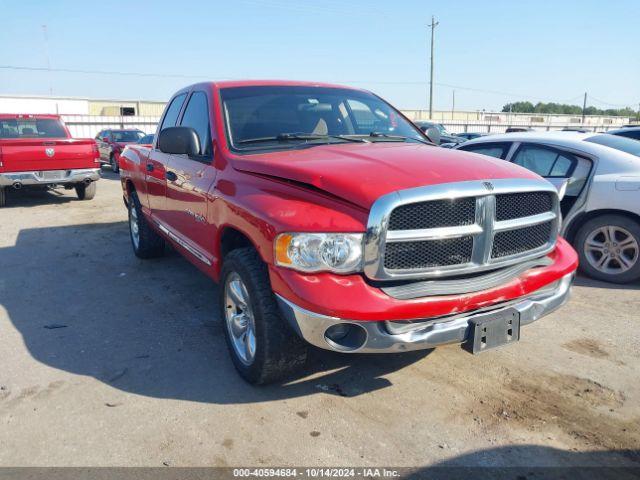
263,347
145,241
113,161
609,248
86,192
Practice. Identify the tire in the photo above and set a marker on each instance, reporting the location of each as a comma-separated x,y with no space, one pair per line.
86,192
278,351
3,197
146,242
609,248
115,168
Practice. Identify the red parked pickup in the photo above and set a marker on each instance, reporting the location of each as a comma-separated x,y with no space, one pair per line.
330,219
37,151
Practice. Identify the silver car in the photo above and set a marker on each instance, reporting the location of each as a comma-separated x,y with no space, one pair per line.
600,176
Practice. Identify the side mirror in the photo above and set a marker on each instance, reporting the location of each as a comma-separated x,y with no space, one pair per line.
433,134
179,141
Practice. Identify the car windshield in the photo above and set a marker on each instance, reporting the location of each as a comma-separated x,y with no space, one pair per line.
127,136
272,117
147,139
32,128
619,143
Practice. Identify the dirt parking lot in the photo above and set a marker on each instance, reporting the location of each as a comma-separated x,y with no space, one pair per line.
107,360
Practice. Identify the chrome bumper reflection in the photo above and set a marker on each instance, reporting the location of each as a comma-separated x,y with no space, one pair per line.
421,334
41,178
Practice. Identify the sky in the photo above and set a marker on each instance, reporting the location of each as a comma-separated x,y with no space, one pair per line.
489,52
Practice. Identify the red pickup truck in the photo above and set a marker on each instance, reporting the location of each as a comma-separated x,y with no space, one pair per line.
329,219
37,151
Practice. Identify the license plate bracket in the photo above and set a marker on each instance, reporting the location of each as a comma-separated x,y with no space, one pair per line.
494,329
52,174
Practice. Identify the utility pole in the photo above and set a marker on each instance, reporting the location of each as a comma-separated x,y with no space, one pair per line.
433,29
46,52
453,104
584,107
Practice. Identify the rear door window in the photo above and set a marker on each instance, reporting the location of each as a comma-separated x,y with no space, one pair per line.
546,162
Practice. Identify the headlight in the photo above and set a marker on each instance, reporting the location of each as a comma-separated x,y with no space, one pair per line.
316,252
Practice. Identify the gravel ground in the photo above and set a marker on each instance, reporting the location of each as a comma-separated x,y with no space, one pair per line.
107,360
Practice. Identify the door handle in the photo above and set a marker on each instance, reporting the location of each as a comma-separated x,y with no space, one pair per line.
171,176
149,167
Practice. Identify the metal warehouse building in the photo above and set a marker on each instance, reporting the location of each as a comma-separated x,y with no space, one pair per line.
79,106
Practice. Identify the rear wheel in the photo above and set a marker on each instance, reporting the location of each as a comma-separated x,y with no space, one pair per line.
114,163
86,192
3,197
146,242
609,248
263,347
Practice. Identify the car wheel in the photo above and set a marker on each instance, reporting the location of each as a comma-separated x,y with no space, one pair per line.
114,163
86,192
146,242
609,248
3,197
263,347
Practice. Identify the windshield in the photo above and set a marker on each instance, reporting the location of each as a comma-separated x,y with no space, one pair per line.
290,117
32,128
619,143
127,136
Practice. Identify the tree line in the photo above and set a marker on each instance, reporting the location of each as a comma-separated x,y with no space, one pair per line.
563,108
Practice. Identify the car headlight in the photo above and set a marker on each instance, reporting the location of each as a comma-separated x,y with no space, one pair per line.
317,252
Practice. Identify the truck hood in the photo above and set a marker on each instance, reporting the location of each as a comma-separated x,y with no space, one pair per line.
361,173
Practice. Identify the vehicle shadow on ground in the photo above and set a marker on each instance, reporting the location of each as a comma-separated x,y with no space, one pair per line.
34,198
85,304
535,462
583,281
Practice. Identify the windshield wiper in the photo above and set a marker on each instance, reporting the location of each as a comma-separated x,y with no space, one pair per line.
285,137
400,138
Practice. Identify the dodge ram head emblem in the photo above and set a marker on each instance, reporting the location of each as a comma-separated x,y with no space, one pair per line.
50,152
488,186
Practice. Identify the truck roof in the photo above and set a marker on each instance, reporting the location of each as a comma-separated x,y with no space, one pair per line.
265,83
29,115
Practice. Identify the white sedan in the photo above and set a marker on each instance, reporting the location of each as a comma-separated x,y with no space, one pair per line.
601,204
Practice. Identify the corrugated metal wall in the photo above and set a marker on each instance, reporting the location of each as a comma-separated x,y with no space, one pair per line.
88,126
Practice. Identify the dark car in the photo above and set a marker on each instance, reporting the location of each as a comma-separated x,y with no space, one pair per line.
632,132
146,140
445,136
470,135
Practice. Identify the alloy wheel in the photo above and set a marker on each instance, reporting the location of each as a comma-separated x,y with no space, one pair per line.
239,318
611,249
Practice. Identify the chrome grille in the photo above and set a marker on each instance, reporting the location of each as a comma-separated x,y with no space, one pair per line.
460,228
438,213
428,254
518,205
513,242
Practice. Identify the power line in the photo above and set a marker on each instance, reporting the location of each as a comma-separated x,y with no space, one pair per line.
357,82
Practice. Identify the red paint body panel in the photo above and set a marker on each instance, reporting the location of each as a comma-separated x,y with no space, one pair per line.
327,188
28,154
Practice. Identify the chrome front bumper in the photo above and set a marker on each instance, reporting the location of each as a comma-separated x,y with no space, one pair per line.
40,178
422,334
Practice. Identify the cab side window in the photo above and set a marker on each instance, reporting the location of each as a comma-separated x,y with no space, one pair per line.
173,110
196,116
